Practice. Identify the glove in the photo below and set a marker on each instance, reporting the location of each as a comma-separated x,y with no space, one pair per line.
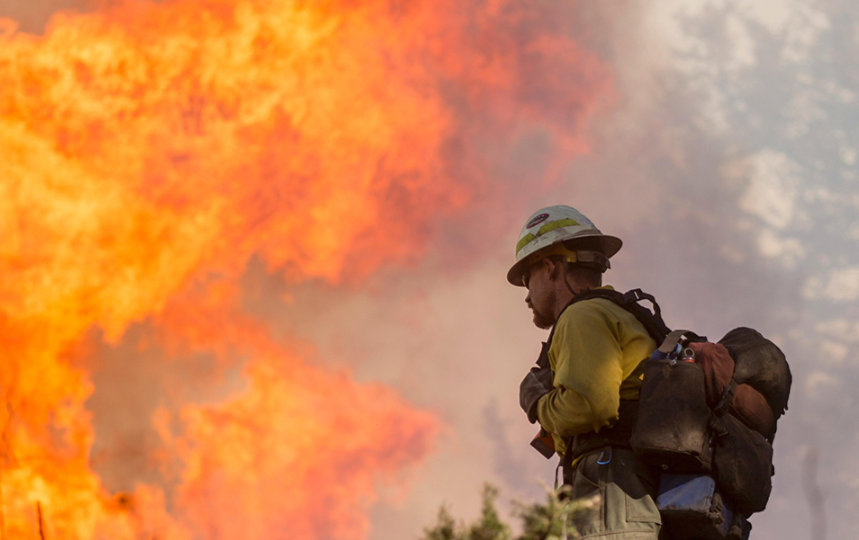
536,384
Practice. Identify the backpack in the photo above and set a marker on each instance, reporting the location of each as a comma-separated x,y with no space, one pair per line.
707,409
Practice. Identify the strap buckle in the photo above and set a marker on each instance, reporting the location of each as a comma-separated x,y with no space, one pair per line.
635,296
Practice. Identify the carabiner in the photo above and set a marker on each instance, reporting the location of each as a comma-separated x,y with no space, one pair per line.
602,460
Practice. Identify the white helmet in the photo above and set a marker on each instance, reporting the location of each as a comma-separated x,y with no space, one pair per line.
557,226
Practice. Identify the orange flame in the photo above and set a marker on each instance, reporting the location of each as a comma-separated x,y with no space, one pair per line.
149,151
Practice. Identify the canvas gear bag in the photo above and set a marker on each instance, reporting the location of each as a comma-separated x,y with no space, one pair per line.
673,426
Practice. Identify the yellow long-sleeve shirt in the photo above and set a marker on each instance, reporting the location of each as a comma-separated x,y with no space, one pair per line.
596,345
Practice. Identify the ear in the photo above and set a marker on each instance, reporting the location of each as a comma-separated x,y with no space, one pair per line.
556,268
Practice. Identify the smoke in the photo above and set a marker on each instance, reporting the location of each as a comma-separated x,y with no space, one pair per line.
728,170
230,231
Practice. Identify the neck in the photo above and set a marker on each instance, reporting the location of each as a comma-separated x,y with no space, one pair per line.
565,295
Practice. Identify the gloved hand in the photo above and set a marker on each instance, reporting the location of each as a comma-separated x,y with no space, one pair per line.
536,384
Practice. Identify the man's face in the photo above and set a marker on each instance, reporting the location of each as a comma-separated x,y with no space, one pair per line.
541,293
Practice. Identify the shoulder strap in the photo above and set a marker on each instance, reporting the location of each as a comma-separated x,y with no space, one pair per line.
651,320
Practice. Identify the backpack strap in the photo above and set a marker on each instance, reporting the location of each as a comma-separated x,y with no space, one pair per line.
630,301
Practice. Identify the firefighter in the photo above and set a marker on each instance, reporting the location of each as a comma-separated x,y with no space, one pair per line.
584,389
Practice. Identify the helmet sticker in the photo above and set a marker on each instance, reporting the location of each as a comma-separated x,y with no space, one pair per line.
536,220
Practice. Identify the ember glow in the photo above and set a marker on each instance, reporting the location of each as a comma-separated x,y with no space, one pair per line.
149,151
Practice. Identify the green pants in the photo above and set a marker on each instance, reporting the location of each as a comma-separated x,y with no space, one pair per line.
615,493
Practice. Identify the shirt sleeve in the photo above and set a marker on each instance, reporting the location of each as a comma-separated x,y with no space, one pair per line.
586,356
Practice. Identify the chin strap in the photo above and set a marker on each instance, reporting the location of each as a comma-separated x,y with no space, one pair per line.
574,293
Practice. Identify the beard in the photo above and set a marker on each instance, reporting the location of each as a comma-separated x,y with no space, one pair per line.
541,320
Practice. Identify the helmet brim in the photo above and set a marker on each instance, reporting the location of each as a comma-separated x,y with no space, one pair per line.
609,245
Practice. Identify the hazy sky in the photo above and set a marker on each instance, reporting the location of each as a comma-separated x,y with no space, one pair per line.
718,141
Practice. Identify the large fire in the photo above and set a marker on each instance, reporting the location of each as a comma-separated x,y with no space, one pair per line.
149,151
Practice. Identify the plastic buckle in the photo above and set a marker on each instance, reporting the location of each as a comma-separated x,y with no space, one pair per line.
633,296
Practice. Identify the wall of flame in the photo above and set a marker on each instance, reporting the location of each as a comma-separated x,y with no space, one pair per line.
149,151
